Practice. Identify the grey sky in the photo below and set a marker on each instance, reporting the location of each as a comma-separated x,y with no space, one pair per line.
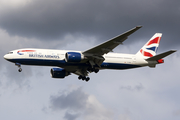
52,20
136,94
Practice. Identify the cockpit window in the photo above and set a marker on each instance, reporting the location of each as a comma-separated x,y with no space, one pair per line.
10,53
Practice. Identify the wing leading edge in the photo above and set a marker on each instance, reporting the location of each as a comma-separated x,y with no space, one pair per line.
109,45
95,54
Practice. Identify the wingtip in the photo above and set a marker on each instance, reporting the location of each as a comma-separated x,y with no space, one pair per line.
174,50
139,26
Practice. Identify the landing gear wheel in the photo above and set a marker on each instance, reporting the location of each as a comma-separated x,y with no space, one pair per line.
80,77
87,79
96,70
83,78
19,66
20,69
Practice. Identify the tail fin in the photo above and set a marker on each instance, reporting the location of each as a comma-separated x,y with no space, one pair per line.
151,47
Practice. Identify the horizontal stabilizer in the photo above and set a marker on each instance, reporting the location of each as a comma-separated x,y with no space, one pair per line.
160,56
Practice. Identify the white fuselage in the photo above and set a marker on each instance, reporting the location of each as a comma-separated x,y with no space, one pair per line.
50,57
91,60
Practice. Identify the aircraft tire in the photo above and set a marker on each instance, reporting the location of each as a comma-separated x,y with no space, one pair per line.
80,77
96,70
87,79
83,78
20,69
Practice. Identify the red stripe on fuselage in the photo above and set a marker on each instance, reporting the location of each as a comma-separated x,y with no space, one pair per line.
26,51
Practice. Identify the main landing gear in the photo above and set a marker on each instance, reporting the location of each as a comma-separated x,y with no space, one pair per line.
84,78
93,70
19,66
84,74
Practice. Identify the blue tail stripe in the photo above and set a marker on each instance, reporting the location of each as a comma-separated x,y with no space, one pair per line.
152,48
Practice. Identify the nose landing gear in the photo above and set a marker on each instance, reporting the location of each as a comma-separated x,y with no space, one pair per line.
19,66
20,69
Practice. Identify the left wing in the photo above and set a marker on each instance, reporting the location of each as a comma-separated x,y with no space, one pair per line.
95,54
109,45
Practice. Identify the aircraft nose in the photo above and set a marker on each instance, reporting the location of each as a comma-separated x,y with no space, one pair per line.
6,57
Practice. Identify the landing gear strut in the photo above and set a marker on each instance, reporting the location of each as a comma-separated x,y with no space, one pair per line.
19,66
84,78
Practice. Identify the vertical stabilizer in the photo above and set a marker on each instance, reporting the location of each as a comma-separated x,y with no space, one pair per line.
151,47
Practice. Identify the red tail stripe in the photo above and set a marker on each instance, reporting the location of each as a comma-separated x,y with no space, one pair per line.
147,54
155,40
141,50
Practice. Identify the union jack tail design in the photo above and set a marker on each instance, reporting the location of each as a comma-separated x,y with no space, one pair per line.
151,47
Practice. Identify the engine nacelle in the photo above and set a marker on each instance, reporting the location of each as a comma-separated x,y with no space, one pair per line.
59,73
73,57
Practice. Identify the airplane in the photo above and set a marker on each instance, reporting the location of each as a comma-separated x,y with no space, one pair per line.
97,58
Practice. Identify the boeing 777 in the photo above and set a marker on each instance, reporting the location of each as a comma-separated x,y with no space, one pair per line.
97,58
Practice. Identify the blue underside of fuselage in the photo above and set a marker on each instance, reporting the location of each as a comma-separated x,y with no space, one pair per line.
63,63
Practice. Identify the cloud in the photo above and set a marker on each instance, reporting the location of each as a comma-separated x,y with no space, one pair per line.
95,110
13,3
131,88
69,116
176,113
74,100
52,20
80,105
10,74
64,24
124,117
13,77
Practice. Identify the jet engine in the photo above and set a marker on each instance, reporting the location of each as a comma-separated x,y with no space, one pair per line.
73,57
59,73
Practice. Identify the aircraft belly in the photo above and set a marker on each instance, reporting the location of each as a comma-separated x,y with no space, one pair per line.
41,62
118,66
62,63
47,62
